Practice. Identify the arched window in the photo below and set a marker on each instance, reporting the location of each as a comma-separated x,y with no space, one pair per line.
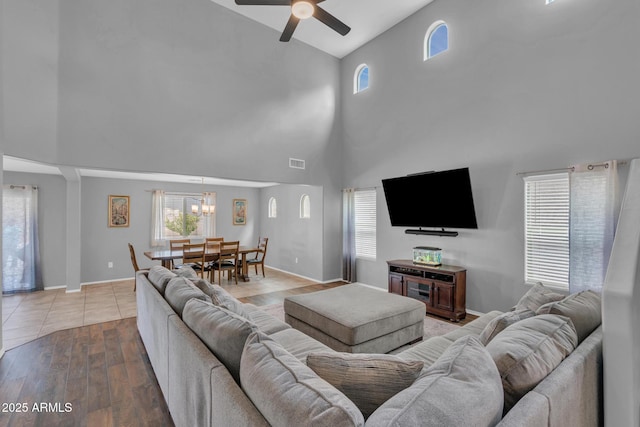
273,208
361,78
305,206
437,39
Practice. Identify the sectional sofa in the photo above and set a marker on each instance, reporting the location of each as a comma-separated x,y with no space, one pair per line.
220,362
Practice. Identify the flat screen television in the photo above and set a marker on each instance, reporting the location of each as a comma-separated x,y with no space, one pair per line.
431,199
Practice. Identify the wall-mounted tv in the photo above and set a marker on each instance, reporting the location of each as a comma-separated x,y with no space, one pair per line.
431,199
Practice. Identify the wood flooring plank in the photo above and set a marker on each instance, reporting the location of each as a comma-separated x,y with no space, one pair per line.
98,384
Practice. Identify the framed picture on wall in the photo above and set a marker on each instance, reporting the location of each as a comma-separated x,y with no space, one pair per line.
118,211
239,211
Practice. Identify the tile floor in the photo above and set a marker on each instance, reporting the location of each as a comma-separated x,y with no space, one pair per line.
29,316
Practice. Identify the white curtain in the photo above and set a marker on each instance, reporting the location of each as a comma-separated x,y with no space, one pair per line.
349,235
20,245
209,221
594,204
157,219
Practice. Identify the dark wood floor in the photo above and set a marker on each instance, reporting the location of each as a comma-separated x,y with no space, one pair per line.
96,375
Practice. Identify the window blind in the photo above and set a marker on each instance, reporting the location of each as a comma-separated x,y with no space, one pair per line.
547,229
365,223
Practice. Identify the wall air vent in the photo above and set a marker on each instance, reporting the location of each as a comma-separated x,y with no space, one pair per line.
296,163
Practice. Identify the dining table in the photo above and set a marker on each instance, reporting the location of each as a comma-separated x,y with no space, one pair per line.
166,256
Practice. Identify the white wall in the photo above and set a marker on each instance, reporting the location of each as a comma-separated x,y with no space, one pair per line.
102,244
621,298
29,48
524,86
295,244
171,86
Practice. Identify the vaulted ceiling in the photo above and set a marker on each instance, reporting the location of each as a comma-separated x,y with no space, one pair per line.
367,19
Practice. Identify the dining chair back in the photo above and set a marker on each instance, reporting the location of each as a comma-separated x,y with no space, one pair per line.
175,245
258,259
213,241
193,255
227,260
136,268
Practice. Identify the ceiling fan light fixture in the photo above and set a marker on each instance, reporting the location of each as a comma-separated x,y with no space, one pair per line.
302,9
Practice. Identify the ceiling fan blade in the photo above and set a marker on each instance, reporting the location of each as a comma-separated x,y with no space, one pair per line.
292,23
263,2
331,21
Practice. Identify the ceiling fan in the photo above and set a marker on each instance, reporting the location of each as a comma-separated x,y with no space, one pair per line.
300,10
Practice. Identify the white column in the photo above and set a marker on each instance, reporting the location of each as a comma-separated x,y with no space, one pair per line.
73,244
621,313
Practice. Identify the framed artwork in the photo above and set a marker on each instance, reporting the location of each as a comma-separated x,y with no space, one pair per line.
239,211
118,211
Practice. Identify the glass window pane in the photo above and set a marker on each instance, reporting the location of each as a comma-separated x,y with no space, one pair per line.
438,40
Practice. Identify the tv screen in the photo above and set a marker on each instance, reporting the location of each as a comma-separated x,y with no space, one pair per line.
431,199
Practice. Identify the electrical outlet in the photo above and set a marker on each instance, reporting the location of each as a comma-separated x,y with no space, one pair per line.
110,264
296,260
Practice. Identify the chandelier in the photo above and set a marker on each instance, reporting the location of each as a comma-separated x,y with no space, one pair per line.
203,208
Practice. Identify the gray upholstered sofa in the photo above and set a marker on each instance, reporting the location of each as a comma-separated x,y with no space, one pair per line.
259,375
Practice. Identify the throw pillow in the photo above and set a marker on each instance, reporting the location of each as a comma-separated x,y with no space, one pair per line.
273,378
159,277
527,351
583,308
536,296
368,380
179,291
462,388
222,331
500,323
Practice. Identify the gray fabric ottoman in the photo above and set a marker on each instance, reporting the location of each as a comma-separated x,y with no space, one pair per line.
357,319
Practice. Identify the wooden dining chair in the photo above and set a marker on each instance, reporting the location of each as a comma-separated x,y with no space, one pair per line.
175,245
210,241
193,255
227,260
132,253
259,255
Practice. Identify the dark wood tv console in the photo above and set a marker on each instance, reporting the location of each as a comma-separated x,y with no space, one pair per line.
442,289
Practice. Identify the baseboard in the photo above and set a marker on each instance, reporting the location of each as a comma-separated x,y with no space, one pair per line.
475,313
105,281
371,286
51,288
304,277
1,352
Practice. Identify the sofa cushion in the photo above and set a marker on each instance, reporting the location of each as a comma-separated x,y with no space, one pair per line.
222,331
273,379
527,351
219,296
537,296
265,321
427,351
179,290
501,322
583,308
368,380
462,388
159,277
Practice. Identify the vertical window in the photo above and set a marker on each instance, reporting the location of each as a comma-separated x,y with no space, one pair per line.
273,208
437,39
183,216
365,223
361,78
305,207
546,229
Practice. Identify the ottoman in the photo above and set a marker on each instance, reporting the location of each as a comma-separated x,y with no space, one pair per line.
356,318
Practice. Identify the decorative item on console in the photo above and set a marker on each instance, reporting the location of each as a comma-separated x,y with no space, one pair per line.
427,255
